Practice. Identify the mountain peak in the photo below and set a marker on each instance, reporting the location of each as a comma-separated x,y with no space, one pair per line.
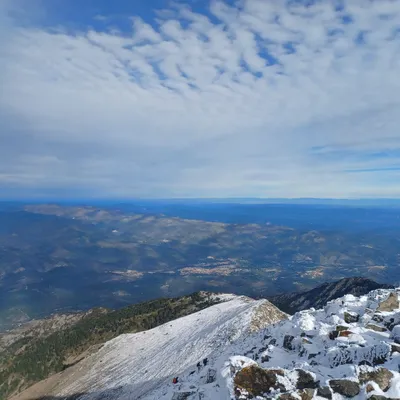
319,296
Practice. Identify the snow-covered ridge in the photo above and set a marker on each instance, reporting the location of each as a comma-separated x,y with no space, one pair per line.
136,366
348,349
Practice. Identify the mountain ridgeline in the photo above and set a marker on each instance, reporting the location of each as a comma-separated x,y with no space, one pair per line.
319,296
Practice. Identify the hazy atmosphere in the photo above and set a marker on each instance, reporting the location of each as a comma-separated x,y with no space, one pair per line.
199,99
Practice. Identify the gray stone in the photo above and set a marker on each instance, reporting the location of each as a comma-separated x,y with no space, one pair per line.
345,387
324,392
305,380
351,317
288,342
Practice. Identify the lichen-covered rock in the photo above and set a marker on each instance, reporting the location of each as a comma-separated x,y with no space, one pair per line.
257,381
345,387
351,317
390,304
381,376
305,380
307,394
325,392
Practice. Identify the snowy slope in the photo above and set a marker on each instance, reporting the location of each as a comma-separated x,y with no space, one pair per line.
133,366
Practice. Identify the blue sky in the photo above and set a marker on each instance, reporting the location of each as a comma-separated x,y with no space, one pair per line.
246,98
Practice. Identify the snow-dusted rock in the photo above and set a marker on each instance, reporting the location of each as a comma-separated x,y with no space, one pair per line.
381,376
345,387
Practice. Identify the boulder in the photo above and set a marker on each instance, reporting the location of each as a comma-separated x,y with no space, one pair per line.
305,380
381,376
288,342
257,381
376,328
345,387
351,317
307,394
378,397
324,392
390,304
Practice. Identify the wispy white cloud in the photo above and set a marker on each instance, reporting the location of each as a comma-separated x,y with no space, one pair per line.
269,99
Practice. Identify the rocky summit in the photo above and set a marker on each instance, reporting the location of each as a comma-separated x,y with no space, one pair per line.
330,353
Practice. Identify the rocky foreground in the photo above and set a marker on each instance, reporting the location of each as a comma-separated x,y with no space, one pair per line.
348,349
